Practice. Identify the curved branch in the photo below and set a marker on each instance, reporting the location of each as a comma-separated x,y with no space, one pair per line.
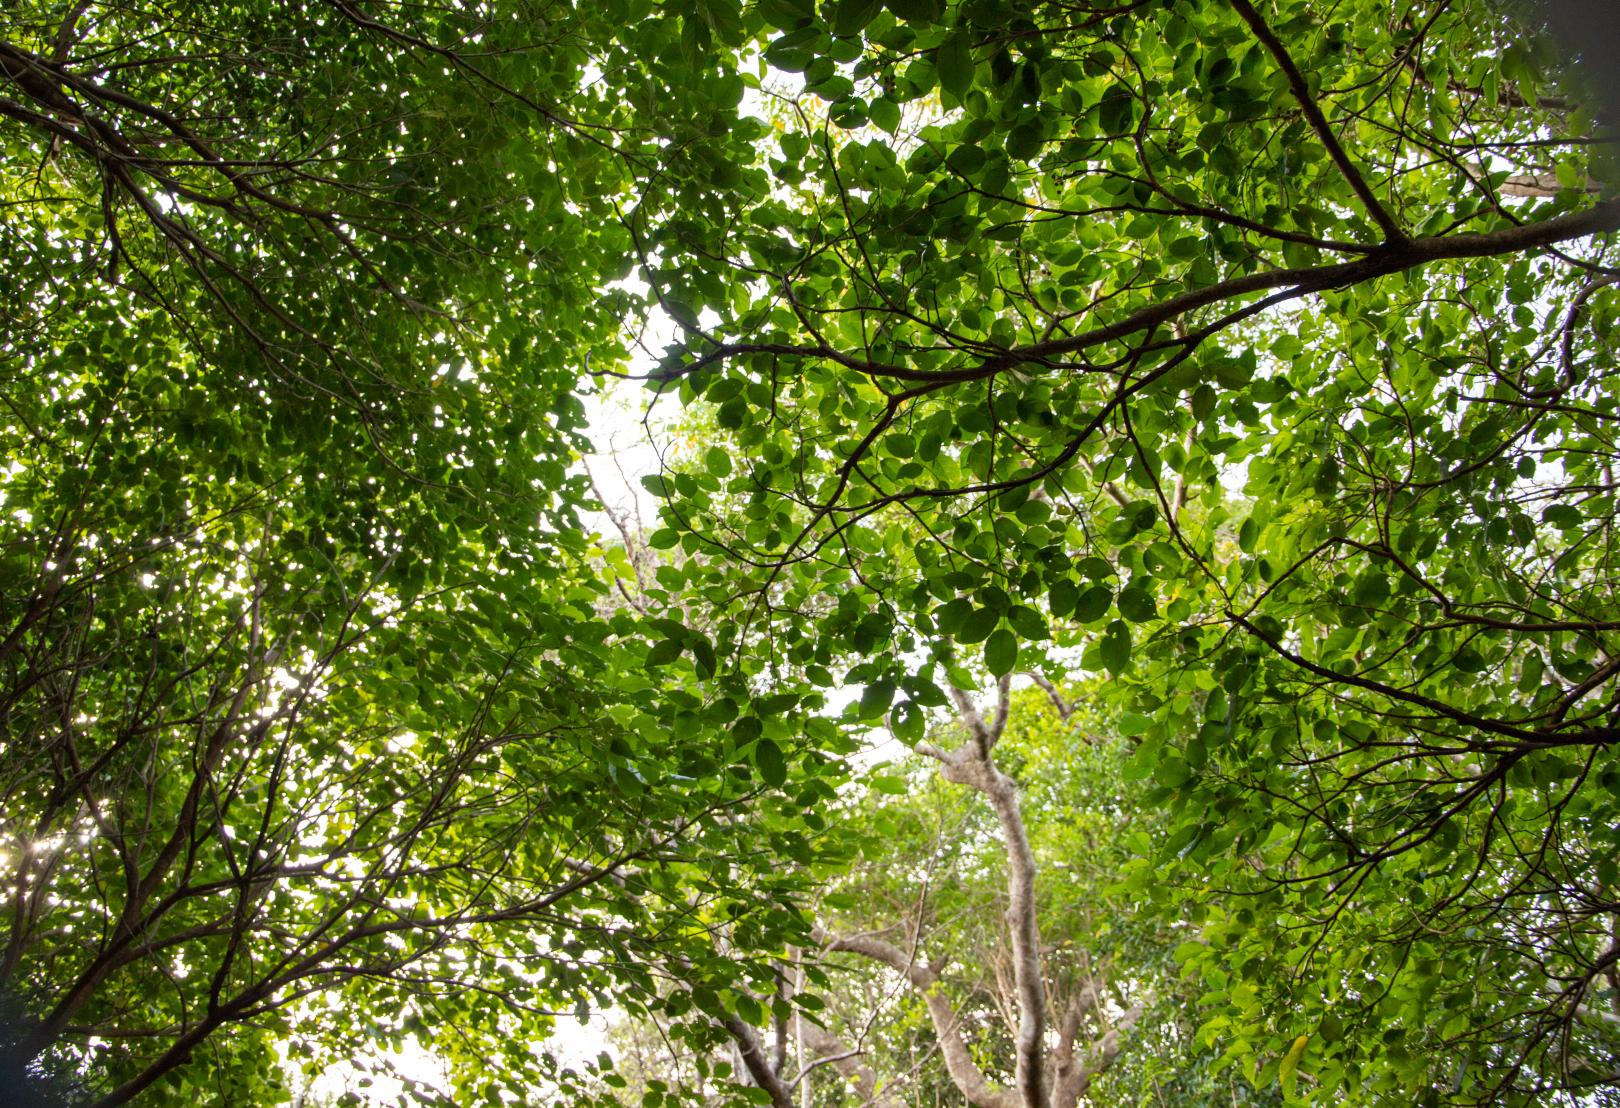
758,1066
965,1074
1319,124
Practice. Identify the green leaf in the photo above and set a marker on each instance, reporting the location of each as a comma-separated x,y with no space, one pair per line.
1247,534
853,15
1372,589
703,655
1063,598
1115,648
978,624
954,62
771,764
1203,402
1024,141
1001,652
1532,671
885,113
787,14
1133,723
876,698
1136,603
908,721
1172,771
1189,951
1233,373
663,652
950,617
1565,517
717,461
1026,622
1093,604
1097,569
917,11
966,159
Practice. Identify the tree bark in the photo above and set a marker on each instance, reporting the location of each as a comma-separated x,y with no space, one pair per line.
832,1051
973,764
1043,1078
965,1074
758,1066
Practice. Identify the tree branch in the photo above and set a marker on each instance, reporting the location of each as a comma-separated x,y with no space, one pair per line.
759,1068
1072,1085
832,1051
964,1072
1319,124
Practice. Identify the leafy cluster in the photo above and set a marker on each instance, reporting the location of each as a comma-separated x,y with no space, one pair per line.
1261,358
1248,366
323,731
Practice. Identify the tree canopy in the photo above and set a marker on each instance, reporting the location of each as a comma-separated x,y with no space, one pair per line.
1239,377
322,730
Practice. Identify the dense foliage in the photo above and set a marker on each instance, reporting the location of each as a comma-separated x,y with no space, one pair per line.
930,874
323,729
1264,359
1245,368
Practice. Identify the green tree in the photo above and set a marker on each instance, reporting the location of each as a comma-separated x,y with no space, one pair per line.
1258,356
1010,832
997,381
936,884
321,727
